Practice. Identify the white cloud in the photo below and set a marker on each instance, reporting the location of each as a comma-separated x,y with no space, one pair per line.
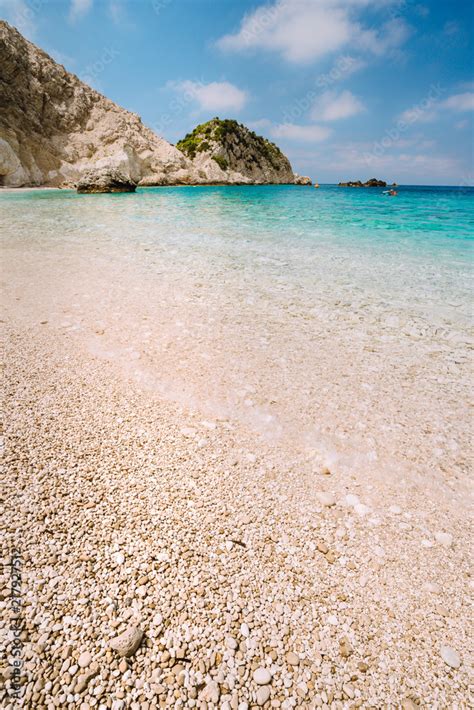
460,102
21,15
79,8
418,115
116,11
215,96
259,124
295,132
305,30
354,160
332,106
451,27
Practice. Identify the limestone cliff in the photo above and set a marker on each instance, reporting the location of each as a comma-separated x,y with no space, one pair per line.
53,128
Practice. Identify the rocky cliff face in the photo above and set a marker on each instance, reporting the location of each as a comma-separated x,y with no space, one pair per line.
53,128
232,153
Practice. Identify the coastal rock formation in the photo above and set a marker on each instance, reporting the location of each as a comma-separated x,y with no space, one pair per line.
105,180
302,180
373,182
229,152
53,128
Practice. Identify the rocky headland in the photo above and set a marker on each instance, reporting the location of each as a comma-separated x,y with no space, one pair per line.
54,128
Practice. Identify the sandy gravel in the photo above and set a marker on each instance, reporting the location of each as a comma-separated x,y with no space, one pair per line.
247,576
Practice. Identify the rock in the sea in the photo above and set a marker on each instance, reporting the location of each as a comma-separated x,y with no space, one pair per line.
450,656
373,182
228,152
105,180
302,180
127,643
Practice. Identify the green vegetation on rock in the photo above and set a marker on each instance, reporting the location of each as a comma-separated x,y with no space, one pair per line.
221,161
228,134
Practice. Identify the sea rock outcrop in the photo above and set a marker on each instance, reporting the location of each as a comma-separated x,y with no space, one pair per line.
54,128
373,182
105,180
229,152
302,180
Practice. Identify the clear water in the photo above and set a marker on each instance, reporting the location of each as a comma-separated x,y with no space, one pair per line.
334,321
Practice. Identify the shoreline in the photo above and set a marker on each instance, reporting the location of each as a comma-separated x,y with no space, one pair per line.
207,444
312,583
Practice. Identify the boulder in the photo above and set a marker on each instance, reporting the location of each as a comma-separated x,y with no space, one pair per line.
302,180
105,180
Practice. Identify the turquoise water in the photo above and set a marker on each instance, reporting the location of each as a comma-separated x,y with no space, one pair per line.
336,319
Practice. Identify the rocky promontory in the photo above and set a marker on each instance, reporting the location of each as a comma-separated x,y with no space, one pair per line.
54,128
237,152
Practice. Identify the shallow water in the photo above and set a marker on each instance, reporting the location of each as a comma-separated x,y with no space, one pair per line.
332,320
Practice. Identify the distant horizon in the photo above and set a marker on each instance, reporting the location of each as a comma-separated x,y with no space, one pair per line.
370,88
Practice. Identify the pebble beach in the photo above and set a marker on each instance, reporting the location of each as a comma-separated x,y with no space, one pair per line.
174,555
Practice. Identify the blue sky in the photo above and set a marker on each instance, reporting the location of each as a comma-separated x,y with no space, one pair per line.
347,88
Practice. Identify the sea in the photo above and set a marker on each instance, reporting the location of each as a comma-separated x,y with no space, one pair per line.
332,320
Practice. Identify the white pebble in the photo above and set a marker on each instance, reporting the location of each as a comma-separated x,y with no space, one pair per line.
262,676
450,656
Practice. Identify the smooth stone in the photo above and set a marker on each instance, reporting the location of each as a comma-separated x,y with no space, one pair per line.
444,539
84,659
244,630
450,656
361,509
231,643
127,643
262,676
263,694
211,693
326,499
292,658
409,704
431,587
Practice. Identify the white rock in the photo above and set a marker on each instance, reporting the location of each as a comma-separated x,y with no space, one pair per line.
431,587
395,509
326,499
244,630
263,693
127,643
444,539
352,499
450,656
262,676
211,693
361,509
231,643
188,432
119,558
84,659
333,620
